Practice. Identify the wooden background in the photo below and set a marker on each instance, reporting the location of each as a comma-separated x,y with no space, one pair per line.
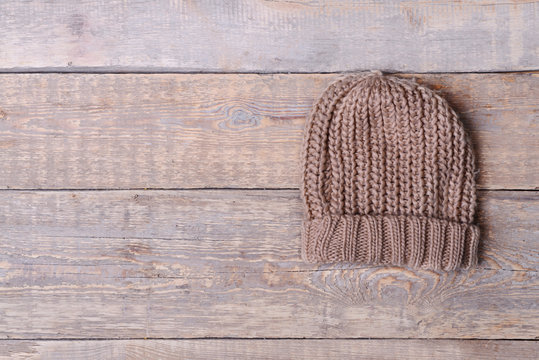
149,202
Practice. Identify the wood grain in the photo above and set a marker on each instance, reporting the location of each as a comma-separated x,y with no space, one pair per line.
270,349
225,263
224,227
240,131
89,274
268,36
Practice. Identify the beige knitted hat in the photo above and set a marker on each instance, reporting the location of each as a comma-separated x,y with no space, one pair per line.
388,177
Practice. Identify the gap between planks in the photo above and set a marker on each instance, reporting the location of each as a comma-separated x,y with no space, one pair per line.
205,189
171,189
167,71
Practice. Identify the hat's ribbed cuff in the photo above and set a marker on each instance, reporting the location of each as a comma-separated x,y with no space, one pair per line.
418,242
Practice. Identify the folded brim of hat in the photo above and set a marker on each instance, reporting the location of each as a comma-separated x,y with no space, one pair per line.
414,241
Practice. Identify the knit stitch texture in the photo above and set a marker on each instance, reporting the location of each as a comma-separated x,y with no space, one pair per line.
388,177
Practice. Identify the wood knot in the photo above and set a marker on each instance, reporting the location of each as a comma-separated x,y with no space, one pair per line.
240,119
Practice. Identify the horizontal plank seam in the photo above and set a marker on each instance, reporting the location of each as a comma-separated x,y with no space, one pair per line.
148,189
210,189
262,338
127,71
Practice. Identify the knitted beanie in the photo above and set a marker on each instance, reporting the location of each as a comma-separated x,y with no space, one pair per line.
388,177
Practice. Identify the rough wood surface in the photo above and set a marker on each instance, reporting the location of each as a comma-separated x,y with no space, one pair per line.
184,131
88,274
225,263
271,349
268,36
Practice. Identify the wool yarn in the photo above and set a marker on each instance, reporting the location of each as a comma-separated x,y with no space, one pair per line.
388,177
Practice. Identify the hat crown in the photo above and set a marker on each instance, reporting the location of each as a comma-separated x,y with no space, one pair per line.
382,145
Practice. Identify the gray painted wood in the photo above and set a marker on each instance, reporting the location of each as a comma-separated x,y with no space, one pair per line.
247,228
183,131
225,263
270,349
221,263
268,36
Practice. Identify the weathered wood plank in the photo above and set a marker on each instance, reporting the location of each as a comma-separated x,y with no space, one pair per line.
270,349
184,131
269,36
223,227
211,263
373,303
